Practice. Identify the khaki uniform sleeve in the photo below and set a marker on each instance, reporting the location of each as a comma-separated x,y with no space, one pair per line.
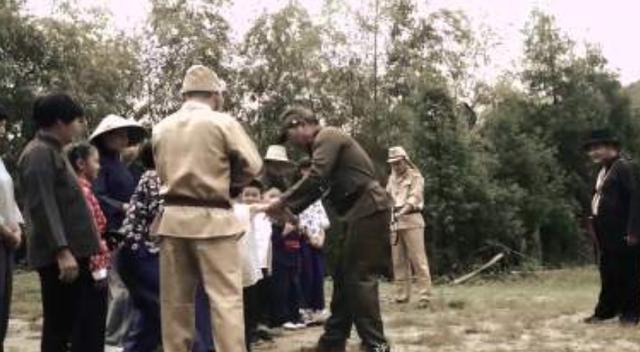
244,157
415,198
326,150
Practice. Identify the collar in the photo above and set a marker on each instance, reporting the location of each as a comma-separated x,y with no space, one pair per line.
195,105
50,139
84,182
108,154
608,163
309,148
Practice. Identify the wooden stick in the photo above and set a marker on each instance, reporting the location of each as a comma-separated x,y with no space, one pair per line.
472,274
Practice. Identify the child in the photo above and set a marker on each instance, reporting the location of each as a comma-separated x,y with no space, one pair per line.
262,229
286,242
313,222
248,210
85,161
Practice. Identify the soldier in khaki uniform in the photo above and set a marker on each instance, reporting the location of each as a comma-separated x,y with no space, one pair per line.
200,155
406,186
342,171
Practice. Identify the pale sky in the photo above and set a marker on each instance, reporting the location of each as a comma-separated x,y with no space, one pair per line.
609,23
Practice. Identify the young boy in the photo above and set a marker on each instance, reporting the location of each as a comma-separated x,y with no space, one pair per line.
61,233
286,242
247,209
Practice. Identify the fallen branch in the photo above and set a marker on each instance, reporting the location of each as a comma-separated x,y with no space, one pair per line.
474,273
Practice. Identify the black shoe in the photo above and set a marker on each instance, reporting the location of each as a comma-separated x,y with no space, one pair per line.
594,319
629,321
264,335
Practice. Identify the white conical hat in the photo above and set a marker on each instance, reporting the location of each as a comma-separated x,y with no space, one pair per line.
115,122
277,152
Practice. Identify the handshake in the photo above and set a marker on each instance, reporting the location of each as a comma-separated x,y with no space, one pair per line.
277,210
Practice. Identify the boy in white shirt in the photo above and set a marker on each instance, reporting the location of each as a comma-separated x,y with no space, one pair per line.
255,247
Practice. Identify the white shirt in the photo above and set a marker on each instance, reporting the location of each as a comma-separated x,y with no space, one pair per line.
9,212
251,270
262,228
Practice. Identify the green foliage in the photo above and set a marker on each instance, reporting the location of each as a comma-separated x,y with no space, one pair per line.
180,34
99,69
282,66
465,208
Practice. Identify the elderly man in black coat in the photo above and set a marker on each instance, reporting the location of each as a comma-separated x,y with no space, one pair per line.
615,216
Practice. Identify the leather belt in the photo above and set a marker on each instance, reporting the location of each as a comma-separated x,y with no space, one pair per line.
184,201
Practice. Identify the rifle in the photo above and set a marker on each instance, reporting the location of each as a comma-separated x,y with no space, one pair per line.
394,226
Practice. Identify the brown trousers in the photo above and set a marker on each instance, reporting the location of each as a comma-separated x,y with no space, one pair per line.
409,255
216,263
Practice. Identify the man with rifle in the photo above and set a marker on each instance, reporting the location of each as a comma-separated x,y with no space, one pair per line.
406,186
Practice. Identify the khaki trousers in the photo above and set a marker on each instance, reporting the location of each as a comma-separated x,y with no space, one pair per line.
408,253
216,263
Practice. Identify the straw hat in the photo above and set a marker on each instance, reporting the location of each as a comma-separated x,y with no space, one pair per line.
114,122
201,79
278,153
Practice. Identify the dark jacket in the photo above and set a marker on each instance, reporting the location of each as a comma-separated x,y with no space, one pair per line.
618,210
55,209
343,170
113,188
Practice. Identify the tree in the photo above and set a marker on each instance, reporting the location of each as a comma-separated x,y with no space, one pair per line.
180,34
466,210
72,53
281,65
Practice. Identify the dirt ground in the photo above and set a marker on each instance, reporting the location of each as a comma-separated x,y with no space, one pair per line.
540,312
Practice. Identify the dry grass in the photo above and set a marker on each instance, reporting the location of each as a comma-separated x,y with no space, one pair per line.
537,313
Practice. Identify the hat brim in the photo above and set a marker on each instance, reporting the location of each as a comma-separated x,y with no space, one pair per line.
287,163
594,142
395,159
136,134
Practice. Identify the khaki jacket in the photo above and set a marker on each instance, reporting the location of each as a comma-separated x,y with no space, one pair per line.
342,170
408,189
200,155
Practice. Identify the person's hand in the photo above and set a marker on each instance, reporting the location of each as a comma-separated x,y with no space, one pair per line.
273,207
258,208
288,228
68,266
632,240
404,210
125,207
13,236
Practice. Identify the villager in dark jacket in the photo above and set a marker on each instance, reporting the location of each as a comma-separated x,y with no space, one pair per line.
60,230
616,223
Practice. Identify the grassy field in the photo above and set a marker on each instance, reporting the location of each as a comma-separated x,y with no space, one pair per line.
538,312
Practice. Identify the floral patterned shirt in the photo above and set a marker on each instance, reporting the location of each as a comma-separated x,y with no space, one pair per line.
101,260
314,219
144,206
